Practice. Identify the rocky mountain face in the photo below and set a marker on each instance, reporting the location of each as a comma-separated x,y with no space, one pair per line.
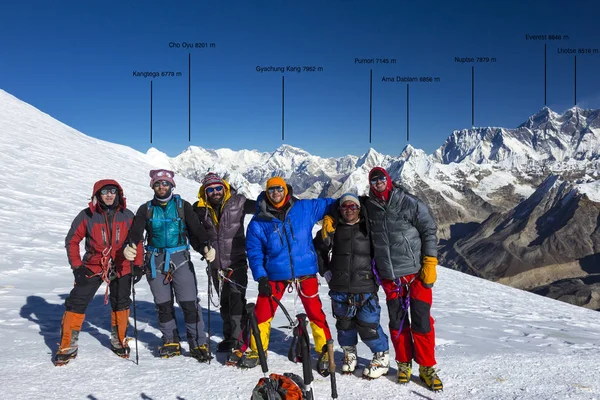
515,205
546,244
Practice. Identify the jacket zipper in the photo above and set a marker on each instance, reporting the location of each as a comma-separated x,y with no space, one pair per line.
105,229
386,230
351,257
218,230
290,253
164,211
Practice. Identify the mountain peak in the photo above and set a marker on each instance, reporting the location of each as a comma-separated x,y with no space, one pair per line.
407,151
541,117
287,149
370,159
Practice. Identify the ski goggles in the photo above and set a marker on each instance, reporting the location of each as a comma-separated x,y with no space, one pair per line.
104,192
273,189
214,189
378,178
351,207
168,174
159,183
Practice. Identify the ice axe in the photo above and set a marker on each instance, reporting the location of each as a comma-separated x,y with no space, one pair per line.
293,323
332,369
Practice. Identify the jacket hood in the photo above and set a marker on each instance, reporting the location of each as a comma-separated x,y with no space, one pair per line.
98,185
385,195
263,205
203,200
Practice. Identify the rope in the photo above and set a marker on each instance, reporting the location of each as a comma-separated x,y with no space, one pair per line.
298,284
210,289
108,270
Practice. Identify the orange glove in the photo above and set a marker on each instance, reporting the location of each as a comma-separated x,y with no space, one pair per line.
428,274
328,227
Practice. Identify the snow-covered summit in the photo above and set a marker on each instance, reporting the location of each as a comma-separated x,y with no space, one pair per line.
546,137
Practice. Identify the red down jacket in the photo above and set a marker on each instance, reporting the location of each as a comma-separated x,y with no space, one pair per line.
93,225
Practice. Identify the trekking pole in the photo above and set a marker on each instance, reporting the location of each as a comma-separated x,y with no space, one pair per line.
332,369
208,292
256,333
305,351
271,391
137,358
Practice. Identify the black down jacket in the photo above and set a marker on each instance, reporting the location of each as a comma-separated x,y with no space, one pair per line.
351,256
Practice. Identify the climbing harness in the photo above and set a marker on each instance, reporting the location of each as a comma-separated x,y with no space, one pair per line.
404,300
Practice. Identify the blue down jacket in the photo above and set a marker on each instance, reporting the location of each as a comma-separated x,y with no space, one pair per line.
284,250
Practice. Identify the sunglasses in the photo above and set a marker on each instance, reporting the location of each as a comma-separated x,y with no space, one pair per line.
159,183
214,188
273,189
164,173
379,178
352,207
107,191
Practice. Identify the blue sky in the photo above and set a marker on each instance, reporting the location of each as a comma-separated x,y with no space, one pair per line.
75,60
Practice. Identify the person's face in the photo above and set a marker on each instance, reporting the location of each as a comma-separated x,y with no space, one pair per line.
275,194
161,188
349,211
108,196
215,193
379,183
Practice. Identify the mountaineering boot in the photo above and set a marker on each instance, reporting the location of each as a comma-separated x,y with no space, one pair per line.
118,341
226,346
249,359
323,363
69,337
429,376
380,365
234,357
404,372
350,359
200,353
168,350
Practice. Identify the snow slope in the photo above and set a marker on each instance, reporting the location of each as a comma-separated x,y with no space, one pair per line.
493,342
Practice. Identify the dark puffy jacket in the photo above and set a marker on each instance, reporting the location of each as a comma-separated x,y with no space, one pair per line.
402,231
350,257
102,234
226,232
283,250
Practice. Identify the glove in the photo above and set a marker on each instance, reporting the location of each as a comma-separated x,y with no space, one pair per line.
81,274
209,254
328,227
138,272
264,287
130,252
428,274
328,275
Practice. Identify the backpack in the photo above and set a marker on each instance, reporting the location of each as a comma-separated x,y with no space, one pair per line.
288,386
180,214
